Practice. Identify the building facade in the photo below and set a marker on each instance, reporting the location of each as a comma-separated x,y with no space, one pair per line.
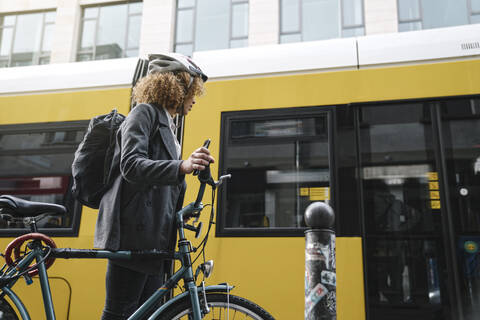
54,31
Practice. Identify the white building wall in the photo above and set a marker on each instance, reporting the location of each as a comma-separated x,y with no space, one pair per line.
15,6
264,22
158,26
380,16
90,2
67,25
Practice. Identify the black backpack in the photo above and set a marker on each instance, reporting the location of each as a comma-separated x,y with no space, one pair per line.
94,166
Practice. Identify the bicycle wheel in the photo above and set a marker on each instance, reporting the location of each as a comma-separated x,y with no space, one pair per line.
222,306
6,311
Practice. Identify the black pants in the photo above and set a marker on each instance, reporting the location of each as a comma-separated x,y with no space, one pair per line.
127,290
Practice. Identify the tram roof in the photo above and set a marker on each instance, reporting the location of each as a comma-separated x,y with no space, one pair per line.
433,45
68,76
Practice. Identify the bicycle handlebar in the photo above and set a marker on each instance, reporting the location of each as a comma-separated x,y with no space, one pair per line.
205,177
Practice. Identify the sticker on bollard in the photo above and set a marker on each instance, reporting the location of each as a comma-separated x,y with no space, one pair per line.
328,277
317,251
331,302
314,297
333,264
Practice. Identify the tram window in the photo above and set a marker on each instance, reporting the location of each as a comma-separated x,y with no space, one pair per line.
279,163
461,135
35,165
400,179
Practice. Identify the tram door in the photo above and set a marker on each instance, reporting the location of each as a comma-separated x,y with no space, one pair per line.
420,170
460,137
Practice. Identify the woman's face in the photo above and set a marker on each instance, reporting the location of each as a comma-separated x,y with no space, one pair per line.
187,105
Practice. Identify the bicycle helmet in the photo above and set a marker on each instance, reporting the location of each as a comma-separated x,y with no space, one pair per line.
174,62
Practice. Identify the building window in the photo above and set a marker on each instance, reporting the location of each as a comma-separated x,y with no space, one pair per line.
211,24
280,163
26,39
409,15
425,14
474,11
308,20
110,31
35,165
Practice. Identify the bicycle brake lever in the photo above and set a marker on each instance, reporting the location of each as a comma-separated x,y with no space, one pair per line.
220,180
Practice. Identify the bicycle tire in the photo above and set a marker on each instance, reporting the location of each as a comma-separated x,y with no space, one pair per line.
217,303
7,312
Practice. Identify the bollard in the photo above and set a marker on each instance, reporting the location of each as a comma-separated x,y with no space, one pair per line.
320,274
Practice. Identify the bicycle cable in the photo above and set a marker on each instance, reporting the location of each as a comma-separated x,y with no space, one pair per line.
4,266
45,257
211,222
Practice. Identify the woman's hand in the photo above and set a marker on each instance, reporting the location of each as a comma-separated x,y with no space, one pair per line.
199,159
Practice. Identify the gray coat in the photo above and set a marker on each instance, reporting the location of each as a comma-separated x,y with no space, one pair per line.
137,213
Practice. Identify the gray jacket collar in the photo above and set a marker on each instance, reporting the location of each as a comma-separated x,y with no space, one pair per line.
166,132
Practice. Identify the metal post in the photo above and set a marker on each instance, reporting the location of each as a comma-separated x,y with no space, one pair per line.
320,274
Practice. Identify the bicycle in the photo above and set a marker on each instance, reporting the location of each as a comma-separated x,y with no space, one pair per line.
195,303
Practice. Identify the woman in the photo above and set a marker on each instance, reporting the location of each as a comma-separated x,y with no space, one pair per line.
137,213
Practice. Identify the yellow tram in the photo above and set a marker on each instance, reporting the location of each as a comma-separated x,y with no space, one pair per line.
384,128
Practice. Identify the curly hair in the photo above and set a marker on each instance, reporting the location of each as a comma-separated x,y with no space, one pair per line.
167,89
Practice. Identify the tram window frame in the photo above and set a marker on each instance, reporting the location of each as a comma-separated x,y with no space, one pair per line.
269,114
48,127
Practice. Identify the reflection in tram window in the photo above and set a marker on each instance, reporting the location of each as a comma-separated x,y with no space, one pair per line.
390,213
404,256
399,199
35,165
405,279
278,166
461,132
404,272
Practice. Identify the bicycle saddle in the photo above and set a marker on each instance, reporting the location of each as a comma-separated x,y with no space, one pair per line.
23,208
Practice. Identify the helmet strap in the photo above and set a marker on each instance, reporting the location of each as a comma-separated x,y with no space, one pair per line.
180,110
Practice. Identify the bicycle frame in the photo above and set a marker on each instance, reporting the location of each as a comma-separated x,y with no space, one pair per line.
9,278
